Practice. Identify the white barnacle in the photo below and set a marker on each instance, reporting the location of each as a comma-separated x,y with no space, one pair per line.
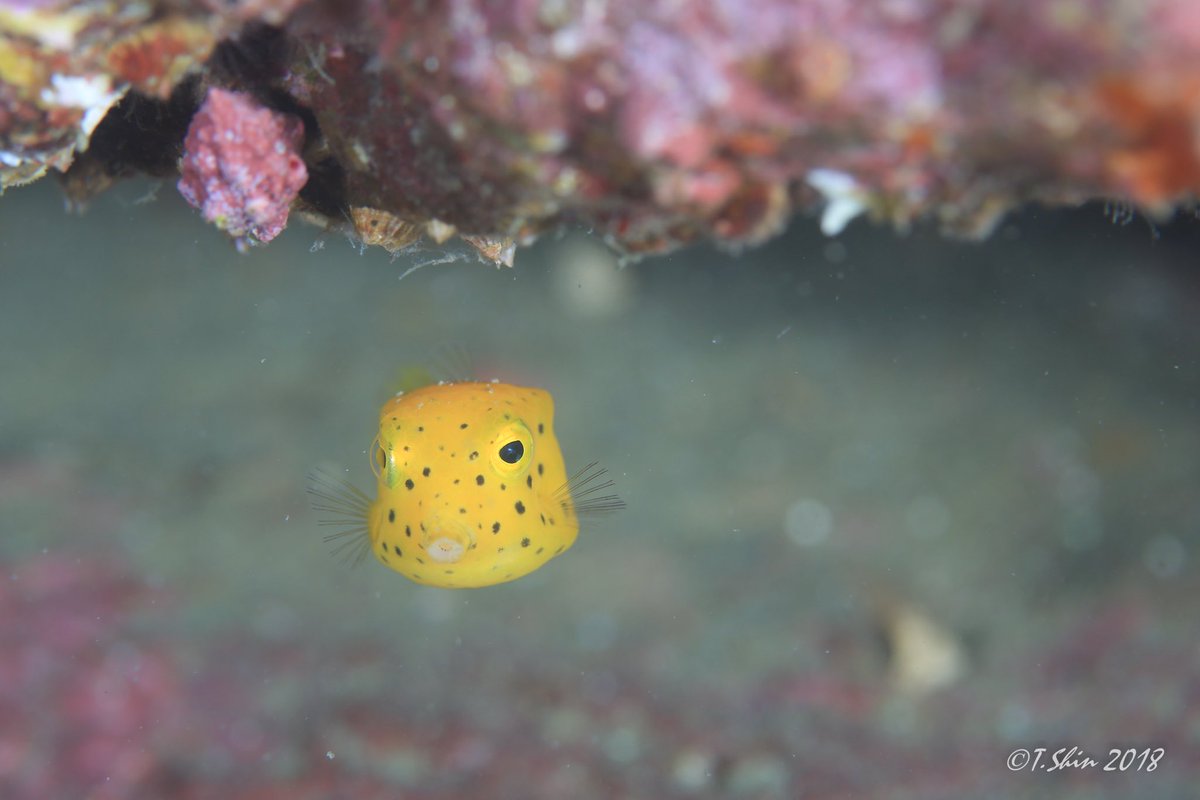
92,93
845,198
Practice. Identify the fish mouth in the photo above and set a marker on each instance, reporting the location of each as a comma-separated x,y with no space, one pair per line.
447,543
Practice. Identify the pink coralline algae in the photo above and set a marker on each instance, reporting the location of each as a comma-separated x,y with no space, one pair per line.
662,122
652,122
105,695
79,688
242,165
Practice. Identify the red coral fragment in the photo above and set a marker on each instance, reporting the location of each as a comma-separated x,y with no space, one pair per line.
154,58
1159,163
241,164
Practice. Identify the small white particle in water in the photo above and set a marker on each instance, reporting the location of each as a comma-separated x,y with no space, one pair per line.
330,755
808,522
287,517
782,333
716,340
262,361
1165,556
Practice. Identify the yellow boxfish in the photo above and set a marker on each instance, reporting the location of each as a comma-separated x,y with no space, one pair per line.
472,489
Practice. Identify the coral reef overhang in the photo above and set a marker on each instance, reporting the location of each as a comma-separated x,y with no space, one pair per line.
653,123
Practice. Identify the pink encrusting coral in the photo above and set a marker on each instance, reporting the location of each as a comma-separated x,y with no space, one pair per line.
661,122
652,122
242,166
80,689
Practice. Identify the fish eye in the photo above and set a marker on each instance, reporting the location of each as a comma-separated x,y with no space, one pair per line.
511,449
511,453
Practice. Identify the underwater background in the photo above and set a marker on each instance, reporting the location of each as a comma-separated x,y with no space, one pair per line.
898,509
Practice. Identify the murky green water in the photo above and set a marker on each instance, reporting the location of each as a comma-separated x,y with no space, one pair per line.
896,507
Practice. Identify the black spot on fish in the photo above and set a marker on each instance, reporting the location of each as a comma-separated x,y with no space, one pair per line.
479,480
520,507
456,481
391,515
525,542
420,429
541,468
420,560
541,428
503,487
474,455
543,516
408,531
559,550
462,427
396,547
495,527
408,484
539,551
462,511
425,472
529,481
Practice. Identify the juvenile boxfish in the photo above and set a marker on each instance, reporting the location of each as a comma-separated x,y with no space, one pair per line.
472,489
